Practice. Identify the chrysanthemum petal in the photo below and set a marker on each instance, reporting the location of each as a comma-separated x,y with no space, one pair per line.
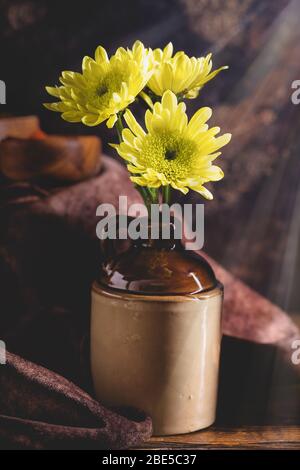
169,101
203,191
58,107
101,55
197,120
111,121
146,98
214,74
168,51
53,91
128,137
180,187
91,120
135,169
212,173
133,124
71,116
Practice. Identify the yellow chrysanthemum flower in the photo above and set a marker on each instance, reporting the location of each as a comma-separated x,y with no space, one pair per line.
181,74
105,87
173,151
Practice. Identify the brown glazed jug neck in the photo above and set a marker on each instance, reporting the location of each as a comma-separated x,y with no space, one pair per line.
157,266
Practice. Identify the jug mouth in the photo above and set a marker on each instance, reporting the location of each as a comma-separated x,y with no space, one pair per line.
162,234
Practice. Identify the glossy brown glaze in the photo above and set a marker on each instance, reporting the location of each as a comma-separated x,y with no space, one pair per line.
155,267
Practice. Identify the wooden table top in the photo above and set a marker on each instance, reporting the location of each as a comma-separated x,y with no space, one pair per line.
217,438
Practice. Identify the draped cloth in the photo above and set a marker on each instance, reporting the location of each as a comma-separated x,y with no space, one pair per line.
49,256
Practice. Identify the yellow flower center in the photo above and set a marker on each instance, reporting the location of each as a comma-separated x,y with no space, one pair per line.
104,86
102,89
169,153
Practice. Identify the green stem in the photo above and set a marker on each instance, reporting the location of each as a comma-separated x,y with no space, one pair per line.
154,195
119,127
166,194
144,192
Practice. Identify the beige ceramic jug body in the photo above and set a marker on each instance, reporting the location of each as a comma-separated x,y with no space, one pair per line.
155,336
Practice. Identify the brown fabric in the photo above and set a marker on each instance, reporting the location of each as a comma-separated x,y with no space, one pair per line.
49,255
248,315
41,410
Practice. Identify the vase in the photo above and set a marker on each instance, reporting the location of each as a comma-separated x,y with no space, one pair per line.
156,333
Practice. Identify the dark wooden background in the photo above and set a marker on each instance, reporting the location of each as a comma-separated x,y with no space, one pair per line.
253,222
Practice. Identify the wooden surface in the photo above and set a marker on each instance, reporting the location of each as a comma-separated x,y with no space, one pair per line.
247,437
